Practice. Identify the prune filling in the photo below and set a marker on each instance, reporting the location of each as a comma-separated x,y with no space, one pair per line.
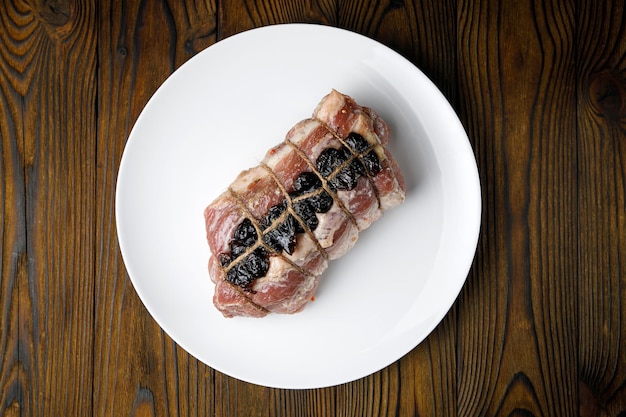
254,265
341,168
306,212
321,202
330,159
345,179
272,215
372,163
283,236
305,183
357,143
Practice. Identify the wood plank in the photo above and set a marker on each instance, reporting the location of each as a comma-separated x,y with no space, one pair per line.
139,370
306,402
14,390
47,170
241,15
517,332
375,395
423,31
602,201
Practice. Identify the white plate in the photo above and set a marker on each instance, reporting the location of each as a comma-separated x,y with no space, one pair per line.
217,115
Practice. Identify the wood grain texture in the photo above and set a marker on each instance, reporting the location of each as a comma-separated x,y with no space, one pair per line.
47,273
14,263
239,15
317,402
602,182
517,333
539,328
138,369
374,395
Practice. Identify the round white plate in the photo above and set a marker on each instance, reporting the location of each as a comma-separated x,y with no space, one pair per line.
217,115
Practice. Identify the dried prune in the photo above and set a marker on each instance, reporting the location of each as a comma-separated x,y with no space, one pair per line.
306,182
372,163
272,214
246,233
239,275
357,167
244,236
257,262
283,236
306,212
321,202
237,248
357,142
329,159
224,259
253,266
345,179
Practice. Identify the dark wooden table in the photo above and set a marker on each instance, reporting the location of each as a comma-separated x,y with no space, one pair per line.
540,326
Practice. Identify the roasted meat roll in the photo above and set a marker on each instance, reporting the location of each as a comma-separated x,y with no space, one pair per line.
273,231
